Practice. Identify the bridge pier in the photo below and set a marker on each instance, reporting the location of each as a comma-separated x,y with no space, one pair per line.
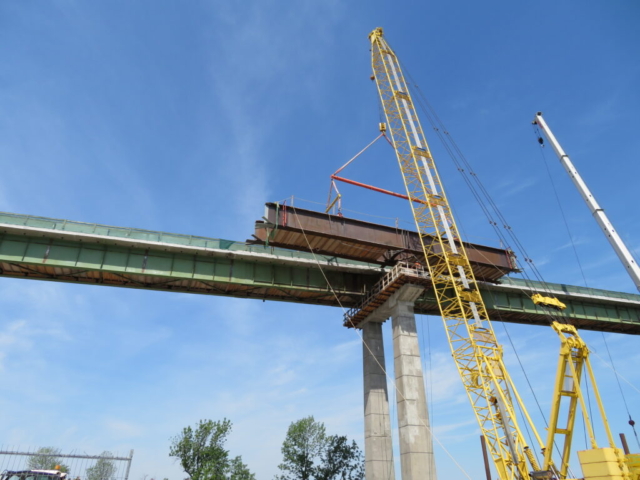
378,445
416,444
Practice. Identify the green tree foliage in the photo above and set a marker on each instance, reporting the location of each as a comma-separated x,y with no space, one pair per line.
340,460
239,471
104,468
46,458
310,454
301,449
203,456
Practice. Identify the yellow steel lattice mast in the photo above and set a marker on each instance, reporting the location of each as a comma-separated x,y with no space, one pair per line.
476,352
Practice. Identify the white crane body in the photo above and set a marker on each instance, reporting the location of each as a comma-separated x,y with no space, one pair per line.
598,213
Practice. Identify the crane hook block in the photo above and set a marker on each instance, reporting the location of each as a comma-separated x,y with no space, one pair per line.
550,302
383,127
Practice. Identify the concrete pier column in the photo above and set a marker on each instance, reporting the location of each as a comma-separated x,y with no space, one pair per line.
378,446
416,444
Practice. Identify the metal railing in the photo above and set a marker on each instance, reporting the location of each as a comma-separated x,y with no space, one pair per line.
401,269
105,466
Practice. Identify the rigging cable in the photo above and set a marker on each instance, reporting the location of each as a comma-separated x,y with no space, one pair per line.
480,191
452,148
382,367
427,379
457,156
631,422
536,132
546,423
464,234
430,373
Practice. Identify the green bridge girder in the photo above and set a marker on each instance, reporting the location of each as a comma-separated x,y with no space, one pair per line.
60,250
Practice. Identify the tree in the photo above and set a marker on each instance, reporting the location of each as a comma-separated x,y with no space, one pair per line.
239,471
104,468
302,446
310,454
203,456
46,458
341,460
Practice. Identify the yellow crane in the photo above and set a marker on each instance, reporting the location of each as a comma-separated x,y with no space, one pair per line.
477,354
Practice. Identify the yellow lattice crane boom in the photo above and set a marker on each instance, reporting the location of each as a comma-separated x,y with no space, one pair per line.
475,349
476,352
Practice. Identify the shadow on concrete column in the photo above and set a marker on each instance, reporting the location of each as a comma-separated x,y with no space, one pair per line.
377,425
416,444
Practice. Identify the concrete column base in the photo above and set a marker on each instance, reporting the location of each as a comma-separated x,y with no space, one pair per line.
416,443
378,446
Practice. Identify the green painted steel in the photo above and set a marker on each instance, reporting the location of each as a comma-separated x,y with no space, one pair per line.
593,310
60,250
94,229
74,261
570,289
597,310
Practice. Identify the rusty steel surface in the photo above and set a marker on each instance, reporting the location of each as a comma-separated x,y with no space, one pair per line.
227,288
308,230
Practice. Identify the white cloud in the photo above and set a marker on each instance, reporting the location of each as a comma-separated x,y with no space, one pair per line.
511,188
252,82
601,114
444,384
577,240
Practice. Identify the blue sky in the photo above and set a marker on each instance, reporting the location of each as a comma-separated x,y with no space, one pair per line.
188,116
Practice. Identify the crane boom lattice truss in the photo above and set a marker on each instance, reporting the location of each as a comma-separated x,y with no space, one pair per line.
472,339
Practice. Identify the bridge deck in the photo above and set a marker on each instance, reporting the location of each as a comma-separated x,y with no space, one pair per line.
60,250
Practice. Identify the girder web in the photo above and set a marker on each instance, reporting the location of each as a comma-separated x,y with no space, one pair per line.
473,343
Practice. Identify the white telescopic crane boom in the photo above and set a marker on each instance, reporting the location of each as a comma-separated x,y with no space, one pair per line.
598,213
